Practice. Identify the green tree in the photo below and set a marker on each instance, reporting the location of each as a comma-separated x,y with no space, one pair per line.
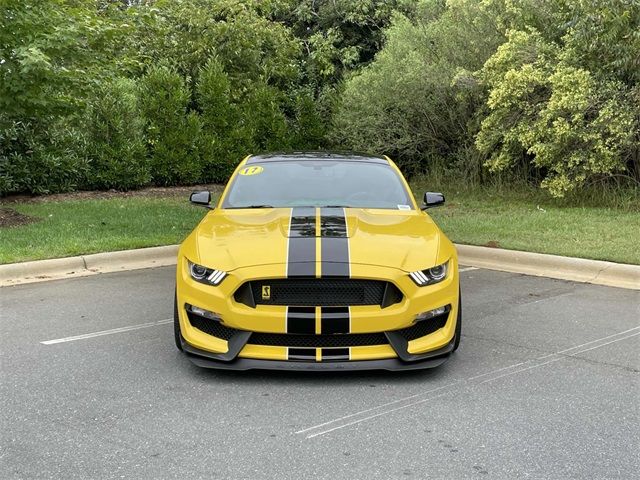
337,35
52,53
250,47
563,91
309,126
416,101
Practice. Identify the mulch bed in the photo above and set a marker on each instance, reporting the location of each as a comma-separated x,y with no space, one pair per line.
153,192
10,218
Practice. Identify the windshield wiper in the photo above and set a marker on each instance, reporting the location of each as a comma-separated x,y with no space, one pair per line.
254,206
334,206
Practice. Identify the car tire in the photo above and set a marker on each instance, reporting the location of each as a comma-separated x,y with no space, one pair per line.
176,324
458,335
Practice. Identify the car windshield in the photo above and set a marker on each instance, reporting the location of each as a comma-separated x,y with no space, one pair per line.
318,183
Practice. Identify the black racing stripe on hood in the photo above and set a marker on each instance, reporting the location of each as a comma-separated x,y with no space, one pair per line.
301,255
335,244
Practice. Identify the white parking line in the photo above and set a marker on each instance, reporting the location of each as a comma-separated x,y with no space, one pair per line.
321,429
378,407
360,420
106,332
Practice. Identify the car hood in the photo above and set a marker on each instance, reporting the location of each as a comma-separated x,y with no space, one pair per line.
229,239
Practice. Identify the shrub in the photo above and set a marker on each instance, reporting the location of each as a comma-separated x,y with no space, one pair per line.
264,119
172,130
31,162
221,142
115,143
551,102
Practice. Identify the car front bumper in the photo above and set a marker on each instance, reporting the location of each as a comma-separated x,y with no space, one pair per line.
246,338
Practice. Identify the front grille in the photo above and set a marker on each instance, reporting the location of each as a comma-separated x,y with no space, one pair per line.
318,341
211,327
424,327
318,292
216,329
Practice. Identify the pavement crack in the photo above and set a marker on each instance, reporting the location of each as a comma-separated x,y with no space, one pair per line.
537,350
599,362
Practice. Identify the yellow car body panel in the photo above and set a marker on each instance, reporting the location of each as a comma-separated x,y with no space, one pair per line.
251,245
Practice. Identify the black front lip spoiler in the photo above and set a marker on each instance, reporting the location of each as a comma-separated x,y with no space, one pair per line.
206,359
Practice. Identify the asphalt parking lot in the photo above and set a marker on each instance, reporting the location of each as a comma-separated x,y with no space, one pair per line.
545,385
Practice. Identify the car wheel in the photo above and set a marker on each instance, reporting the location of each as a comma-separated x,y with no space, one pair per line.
176,323
456,340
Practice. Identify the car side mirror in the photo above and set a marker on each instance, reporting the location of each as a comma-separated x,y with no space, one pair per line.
202,198
432,199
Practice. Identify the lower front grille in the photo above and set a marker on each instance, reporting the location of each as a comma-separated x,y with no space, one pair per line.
211,327
216,329
424,327
318,341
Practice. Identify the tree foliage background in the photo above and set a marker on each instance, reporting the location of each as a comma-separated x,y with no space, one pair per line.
123,93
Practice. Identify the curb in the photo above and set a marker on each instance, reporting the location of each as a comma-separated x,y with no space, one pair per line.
553,266
84,265
538,264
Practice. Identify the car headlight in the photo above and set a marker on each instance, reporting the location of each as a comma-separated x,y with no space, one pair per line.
206,275
430,275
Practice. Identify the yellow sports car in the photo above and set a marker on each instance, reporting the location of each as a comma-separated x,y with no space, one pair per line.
317,261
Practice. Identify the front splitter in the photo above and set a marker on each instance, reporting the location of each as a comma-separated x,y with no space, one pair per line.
205,359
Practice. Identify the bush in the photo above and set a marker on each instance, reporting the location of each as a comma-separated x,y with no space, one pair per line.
115,144
221,138
172,130
264,119
561,92
31,162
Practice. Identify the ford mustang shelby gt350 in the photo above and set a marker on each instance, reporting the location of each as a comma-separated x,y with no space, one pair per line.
317,261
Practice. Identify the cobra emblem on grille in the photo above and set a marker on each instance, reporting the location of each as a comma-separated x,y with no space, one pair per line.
266,292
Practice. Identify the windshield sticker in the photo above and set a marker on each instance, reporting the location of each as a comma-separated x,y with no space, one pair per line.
404,207
255,170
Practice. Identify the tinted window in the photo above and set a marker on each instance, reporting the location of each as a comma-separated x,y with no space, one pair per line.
317,183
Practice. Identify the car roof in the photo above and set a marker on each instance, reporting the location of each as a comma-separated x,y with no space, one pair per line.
317,155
